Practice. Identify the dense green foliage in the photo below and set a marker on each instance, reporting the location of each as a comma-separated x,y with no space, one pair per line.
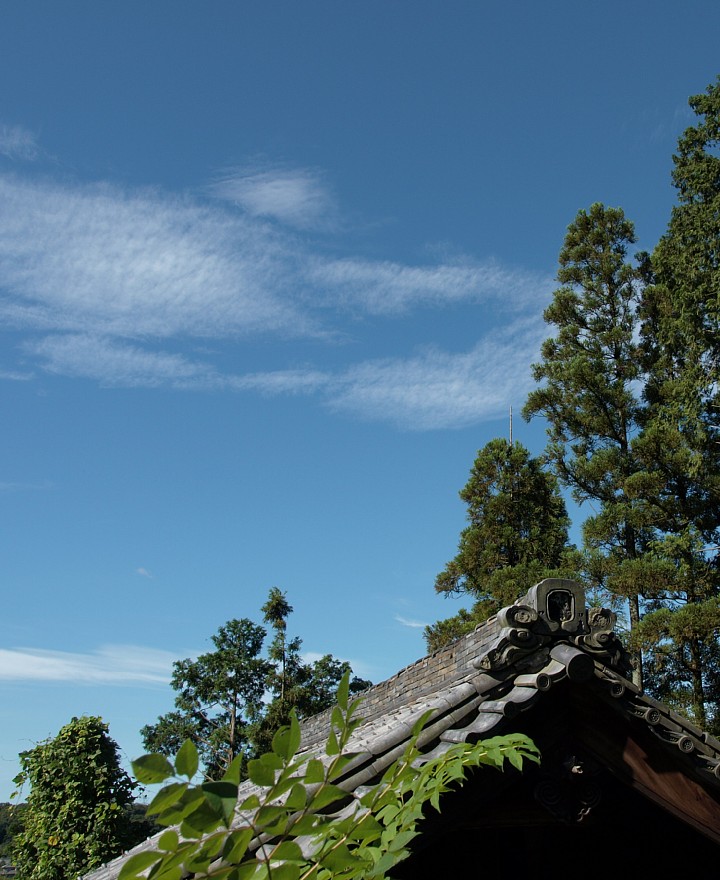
76,816
289,808
230,701
517,535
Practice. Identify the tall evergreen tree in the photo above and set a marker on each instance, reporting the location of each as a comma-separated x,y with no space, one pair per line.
276,612
292,684
232,700
591,368
680,445
632,397
517,534
687,259
219,697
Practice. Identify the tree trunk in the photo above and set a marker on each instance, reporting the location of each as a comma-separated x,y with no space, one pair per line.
634,613
233,725
697,683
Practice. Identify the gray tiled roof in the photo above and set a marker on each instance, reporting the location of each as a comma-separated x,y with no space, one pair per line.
480,684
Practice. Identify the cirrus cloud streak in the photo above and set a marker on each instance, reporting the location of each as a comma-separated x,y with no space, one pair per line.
430,390
389,288
18,143
119,286
97,259
111,664
296,197
437,389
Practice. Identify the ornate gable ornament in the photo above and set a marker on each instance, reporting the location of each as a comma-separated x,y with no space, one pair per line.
553,612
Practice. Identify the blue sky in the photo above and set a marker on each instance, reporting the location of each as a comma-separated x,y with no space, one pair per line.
270,274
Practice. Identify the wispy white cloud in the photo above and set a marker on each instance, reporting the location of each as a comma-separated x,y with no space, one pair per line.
115,363
26,487
120,364
311,656
296,197
17,142
15,376
432,390
301,381
111,664
437,389
413,624
95,259
119,287
143,572
391,288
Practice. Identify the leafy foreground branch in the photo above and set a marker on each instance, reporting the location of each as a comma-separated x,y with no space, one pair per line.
282,830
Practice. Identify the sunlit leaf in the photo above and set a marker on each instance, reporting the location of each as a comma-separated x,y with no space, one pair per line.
151,769
515,759
260,773
186,760
332,747
208,851
271,760
236,844
326,795
168,841
343,691
314,771
297,798
339,858
176,811
286,850
286,741
222,796
234,770
286,871
167,796
203,819
135,865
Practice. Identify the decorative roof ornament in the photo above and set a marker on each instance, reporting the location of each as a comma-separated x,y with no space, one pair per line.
550,613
